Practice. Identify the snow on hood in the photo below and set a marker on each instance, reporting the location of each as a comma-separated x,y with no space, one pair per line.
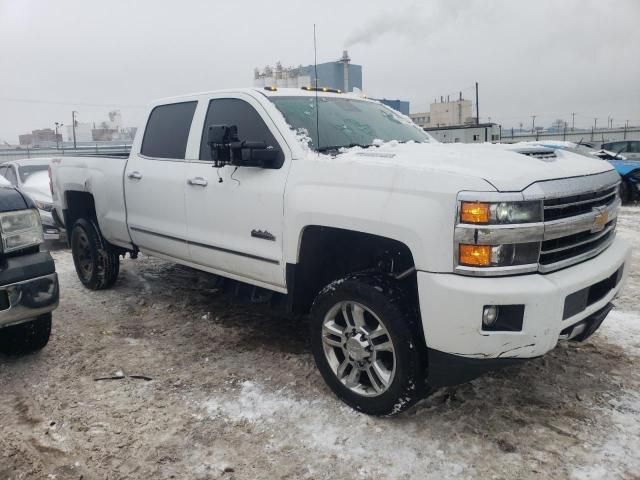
37,187
498,164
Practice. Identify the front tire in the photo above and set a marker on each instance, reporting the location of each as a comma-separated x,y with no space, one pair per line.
367,344
97,264
26,337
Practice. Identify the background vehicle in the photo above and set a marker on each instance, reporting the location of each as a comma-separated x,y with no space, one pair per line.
617,154
31,176
630,149
421,264
28,281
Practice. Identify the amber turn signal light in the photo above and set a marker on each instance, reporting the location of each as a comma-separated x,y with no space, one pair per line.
475,255
474,212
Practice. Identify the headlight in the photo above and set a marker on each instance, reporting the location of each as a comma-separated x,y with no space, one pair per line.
20,229
484,213
507,255
497,237
46,206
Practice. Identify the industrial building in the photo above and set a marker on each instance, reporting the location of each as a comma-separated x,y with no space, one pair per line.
446,113
401,106
44,136
475,133
340,75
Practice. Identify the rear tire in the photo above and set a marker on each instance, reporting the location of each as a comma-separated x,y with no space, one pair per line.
96,262
26,337
379,369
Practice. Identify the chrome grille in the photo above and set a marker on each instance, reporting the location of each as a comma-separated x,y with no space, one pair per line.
578,226
565,207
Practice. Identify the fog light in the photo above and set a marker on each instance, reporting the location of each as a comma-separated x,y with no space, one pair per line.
489,315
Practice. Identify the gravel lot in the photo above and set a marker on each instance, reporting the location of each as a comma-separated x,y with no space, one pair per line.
232,392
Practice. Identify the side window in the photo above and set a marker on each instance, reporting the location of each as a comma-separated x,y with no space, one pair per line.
634,147
167,131
615,146
10,175
3,171
251,127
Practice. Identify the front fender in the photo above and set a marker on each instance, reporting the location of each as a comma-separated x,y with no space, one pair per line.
410,207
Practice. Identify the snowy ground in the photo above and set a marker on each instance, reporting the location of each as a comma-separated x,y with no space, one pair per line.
234,394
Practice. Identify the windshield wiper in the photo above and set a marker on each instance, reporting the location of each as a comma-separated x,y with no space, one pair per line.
329,148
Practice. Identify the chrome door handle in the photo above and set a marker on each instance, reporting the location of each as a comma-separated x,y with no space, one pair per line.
135,175
199,181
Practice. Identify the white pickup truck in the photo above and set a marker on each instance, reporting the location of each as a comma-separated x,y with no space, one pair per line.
421,264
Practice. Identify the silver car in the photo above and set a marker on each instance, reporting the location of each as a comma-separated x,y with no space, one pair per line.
31,176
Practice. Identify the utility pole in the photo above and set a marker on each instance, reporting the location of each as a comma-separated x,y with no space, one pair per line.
58,125
477,106
573,121
533,123
595,123
73,127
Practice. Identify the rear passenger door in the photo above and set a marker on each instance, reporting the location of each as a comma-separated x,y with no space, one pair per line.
154,182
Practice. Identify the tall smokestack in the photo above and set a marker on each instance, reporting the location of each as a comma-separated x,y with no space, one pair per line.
345,69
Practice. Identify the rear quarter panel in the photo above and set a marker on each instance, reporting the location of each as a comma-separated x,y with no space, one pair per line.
102,177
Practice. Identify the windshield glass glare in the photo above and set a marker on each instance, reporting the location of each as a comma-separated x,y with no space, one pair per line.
345,122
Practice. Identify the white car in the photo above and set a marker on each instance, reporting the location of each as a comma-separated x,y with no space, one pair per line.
31,177
421,264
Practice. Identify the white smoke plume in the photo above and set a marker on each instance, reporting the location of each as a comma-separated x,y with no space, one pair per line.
415,21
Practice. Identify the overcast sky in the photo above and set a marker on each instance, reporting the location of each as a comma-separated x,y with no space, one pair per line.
546,57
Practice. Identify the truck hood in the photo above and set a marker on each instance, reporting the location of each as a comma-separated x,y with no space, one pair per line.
506,167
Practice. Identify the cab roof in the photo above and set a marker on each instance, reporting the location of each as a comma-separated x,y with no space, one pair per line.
267,92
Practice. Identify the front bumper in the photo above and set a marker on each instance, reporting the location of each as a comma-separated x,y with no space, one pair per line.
451,307
28,288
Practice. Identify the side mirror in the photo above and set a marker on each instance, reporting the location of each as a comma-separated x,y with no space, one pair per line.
256,154
222,134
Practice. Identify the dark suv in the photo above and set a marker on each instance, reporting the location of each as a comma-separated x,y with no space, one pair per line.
28,280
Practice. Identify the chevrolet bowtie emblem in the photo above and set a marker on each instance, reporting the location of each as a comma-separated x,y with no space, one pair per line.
602,218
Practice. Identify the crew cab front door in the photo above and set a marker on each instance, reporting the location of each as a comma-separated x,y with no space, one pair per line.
154,183
235,214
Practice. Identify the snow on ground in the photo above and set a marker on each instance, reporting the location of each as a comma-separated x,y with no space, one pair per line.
234,393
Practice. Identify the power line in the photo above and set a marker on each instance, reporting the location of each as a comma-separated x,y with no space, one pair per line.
79,104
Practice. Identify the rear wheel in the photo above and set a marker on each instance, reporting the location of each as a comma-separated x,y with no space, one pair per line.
367,346
97,264
26,337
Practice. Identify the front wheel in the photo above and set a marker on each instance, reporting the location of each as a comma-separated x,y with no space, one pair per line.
26,337
97,264
367,345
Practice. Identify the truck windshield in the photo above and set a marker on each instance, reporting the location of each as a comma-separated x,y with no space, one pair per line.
346,122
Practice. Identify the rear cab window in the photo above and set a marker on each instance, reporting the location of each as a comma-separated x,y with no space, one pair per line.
167,131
